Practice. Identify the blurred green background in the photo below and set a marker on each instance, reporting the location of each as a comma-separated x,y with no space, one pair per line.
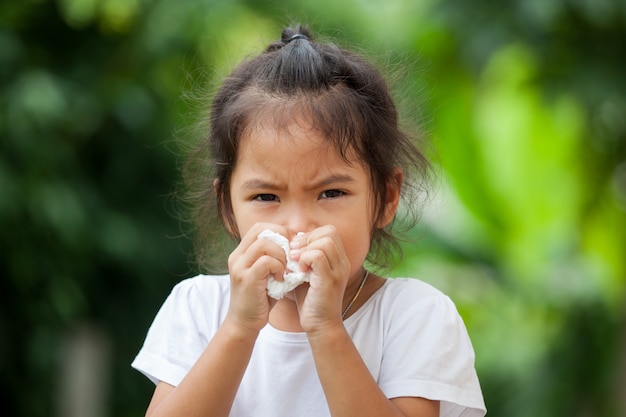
524,102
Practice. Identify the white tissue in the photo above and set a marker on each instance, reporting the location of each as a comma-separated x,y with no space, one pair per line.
292,277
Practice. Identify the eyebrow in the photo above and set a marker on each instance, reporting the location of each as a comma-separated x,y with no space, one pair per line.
333,179
255,184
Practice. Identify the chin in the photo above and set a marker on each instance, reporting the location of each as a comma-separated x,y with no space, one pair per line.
291,295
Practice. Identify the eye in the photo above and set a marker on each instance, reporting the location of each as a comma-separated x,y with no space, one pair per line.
266,197
332,194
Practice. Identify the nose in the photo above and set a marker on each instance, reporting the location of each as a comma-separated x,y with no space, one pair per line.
299,218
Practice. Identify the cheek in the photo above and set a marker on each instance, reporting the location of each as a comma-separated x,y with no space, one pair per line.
357,246
235,219
240,224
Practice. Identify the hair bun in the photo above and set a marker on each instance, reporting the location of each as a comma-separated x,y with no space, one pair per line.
296,32
298,36
290,34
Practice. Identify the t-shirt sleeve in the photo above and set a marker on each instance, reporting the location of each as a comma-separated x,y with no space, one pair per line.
428,353
178,335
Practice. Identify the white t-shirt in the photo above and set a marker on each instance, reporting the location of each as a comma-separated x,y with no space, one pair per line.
408,333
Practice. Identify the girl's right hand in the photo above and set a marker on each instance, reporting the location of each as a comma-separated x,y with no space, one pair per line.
250,265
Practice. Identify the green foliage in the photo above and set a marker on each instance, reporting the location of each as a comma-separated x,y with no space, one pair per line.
524,102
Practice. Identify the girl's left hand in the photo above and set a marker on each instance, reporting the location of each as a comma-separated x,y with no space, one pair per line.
321,252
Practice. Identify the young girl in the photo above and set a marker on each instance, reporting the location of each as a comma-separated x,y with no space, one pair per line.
309,168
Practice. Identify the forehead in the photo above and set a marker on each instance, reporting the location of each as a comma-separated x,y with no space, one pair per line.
296,141
299,156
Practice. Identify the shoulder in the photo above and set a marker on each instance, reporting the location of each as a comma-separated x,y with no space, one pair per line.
202,285
413,285
411,290
425,348
409,300
200,295
183,326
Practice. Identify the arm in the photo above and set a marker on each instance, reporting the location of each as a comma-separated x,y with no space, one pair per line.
348,384
210,386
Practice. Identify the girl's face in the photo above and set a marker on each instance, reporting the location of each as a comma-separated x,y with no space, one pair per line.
298,180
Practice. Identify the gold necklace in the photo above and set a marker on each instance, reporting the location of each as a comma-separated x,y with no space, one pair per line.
358,291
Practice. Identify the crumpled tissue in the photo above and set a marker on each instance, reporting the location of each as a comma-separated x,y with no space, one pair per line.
292,276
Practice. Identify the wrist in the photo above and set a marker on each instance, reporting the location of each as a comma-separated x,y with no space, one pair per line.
240,331
326,332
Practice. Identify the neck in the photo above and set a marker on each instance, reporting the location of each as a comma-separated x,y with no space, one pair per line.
354,297
284,316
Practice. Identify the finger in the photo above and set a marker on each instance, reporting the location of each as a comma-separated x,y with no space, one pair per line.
333,253
253,233
315,260
253,247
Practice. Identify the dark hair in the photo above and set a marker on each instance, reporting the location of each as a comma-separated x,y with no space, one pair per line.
347,100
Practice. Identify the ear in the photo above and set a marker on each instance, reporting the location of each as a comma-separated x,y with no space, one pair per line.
394,187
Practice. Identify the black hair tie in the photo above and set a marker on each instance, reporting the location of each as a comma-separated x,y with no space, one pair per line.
298,36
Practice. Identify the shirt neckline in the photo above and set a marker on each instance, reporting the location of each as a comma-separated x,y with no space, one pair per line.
283,336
